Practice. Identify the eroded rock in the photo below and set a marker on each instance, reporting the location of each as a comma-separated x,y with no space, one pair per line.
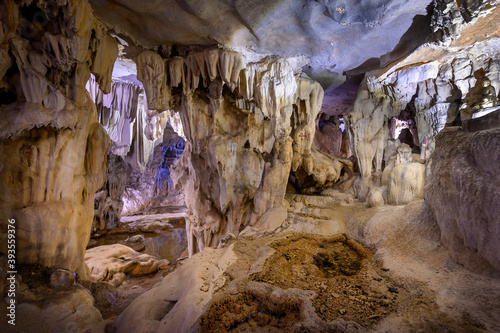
107,260
108,203
56,147
245,131
463,192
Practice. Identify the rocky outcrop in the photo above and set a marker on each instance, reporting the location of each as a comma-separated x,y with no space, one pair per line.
246,126
57,310
405,181
440,80
463,191
134,129
329,138
49,128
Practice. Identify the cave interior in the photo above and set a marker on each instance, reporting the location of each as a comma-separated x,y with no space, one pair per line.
250,166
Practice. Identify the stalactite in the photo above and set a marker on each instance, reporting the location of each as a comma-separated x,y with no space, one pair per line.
237,121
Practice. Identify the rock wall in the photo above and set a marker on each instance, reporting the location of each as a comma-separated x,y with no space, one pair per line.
135,131
329,138
442,79
246,126
49,130
463,191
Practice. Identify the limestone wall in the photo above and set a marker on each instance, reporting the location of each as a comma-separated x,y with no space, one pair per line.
463,191
53,148
443,79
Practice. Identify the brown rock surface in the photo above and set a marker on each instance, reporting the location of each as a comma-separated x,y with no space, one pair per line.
463,191
108,203
56,148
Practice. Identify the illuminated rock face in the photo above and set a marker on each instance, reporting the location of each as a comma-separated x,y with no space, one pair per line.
246,126
133,128
49,130
442,80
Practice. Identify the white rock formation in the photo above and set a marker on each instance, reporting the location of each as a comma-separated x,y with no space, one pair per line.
134,129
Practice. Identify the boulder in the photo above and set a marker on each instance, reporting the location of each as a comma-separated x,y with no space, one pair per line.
70,310
107,260
406,183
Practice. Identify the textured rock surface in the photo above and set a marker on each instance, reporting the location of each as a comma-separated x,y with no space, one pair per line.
68,310
463,191
440,80
275,282
406,183
154,186
245,131
186,292
336,35
49,129
134,129
107,260
404,178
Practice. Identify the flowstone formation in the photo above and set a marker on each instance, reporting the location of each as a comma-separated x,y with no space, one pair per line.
246,126
135,131
49,130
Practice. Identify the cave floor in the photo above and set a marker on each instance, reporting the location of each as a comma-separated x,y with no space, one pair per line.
386,271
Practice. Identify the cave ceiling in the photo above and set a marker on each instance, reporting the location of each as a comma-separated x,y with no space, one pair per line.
326,37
